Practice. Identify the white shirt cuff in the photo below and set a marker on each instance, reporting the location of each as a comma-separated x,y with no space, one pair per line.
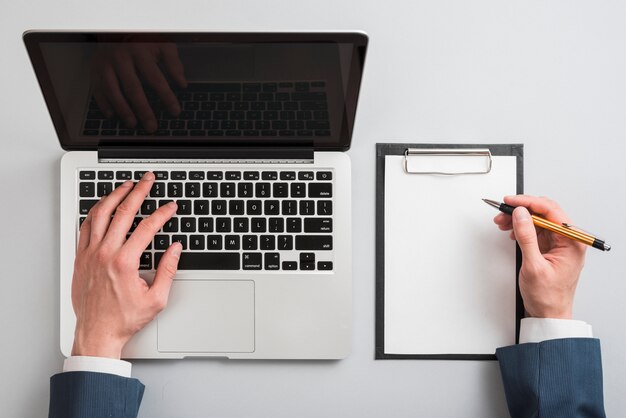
535,330
97,364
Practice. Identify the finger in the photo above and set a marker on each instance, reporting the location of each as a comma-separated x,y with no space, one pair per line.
173,65
153,75
165,273
103,103
502,219
147,229
127,210
102,211
526,235
133,90
542,206
116,98
84,232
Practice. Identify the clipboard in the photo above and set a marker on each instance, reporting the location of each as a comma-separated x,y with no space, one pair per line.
446,277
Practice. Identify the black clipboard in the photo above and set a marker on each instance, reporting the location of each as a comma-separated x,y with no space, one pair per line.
404,149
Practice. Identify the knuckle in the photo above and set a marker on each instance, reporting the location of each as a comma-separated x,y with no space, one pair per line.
158,304
148,225
125,208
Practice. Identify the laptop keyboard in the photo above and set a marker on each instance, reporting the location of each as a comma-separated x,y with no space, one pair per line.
270,109
232,220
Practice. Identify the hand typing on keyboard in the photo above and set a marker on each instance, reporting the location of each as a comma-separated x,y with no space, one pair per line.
120,73
111,301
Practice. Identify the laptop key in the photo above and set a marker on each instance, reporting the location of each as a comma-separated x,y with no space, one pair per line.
285,242
222,225
240,224
287,175
201,207
218,207
180,238
305,175
175,190
294,225
276,225
205,261
324,207
290,207
231,242
105,175
209,189
145,262
184,207
268,242
249,242
308,265
205,224
157,190
290,265
86,189
252,261
171,225
104,188
320,189
196,242
318,225
324,265
272,261
298,189
188,224
214,175
314,242
236,207
161,242
124,175
148,207
161,175
192,189
87,175
85,205
324,175
280,190
213,242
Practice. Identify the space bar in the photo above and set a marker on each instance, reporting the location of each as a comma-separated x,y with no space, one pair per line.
205,261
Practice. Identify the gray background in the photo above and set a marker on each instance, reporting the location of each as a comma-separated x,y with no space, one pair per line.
550,74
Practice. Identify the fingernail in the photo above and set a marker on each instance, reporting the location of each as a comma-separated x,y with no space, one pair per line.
521,214
172,205
148,176
178,248
127,183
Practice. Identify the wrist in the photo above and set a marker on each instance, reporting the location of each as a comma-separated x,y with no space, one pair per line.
97,347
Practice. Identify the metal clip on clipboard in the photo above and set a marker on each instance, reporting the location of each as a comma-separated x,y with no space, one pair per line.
482,168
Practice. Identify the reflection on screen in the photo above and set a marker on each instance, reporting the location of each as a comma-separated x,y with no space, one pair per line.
200,90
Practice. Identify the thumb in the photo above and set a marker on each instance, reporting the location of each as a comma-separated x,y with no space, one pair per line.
525,234
165,273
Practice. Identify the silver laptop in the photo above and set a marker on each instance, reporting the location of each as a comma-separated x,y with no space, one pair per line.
248,133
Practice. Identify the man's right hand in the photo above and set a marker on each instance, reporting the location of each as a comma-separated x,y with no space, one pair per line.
551,263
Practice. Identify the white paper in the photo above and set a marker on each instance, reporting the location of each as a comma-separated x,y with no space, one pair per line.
449,271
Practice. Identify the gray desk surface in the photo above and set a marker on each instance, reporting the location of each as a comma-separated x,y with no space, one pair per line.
550,74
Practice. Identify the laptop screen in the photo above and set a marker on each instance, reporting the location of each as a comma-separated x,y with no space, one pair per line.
195,88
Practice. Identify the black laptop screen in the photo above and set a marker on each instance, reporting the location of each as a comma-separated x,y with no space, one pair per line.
177,88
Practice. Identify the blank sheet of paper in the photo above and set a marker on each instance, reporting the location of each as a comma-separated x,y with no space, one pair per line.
450,273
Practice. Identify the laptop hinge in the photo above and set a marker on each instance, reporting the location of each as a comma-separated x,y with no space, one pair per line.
202,155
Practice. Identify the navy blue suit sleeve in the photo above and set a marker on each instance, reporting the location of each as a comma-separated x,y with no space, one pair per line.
555,378
94,395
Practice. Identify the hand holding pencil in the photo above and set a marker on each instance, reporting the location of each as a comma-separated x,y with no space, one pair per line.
551,263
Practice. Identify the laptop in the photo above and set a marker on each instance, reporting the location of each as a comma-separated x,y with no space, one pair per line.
247,132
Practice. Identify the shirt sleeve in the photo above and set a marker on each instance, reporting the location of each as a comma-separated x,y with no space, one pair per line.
535,330
97,364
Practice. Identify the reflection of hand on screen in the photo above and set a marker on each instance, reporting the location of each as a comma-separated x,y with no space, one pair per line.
118,73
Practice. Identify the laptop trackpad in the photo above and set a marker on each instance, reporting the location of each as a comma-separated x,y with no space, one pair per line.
212,316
